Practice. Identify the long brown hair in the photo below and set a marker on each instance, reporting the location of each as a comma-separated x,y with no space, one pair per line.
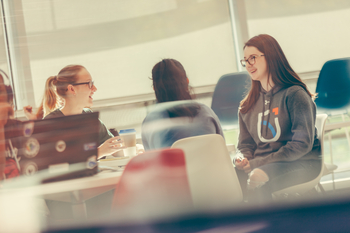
278,69
170,83
56,88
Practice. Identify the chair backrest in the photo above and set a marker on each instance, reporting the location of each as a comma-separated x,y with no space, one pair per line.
320,124
213,180
228,93
333,84
154,182
304,187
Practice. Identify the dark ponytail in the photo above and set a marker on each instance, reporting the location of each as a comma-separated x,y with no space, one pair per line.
170,83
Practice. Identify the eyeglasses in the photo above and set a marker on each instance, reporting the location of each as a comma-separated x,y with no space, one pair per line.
91,83
250,60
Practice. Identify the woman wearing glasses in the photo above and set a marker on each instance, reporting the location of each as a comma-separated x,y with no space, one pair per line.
277,135
74,85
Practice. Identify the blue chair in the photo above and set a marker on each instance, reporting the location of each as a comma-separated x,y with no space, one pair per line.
228,93
333,98
333,86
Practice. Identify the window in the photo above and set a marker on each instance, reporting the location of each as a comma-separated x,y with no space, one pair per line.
119,41
309,32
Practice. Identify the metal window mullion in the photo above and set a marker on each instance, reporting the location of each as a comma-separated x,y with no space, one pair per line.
18,55
239,28
7,49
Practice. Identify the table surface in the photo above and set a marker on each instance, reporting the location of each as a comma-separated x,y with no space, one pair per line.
60,190
88,187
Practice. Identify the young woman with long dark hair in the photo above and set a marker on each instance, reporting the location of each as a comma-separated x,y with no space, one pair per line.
277,136
175,116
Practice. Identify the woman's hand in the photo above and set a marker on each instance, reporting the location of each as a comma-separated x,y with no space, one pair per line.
139,149
110,146
28,111
241,163
247,168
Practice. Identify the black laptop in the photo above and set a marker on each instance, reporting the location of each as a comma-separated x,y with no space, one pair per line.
60,148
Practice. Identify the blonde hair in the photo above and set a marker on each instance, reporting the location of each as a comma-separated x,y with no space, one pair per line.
56,88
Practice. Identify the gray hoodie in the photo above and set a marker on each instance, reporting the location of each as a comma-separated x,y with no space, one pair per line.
161,128
279,127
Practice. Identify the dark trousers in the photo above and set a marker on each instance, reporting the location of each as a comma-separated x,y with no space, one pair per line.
281,175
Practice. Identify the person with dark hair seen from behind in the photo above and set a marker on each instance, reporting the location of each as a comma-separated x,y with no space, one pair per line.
175,116
277,144
68,93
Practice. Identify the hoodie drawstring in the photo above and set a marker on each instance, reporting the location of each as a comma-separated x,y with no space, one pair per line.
268,115
262,118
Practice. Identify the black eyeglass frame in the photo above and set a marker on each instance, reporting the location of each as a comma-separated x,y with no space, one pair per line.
243,62
91,84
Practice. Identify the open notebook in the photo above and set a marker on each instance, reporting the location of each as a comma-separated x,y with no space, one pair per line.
60,148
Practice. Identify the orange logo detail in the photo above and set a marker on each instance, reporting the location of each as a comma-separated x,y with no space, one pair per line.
275,110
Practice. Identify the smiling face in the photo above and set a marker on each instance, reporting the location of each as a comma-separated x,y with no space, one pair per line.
83,92
257,71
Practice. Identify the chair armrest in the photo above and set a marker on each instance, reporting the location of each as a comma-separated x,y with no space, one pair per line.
329,168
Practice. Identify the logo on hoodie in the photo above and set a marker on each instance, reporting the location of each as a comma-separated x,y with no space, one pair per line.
276,133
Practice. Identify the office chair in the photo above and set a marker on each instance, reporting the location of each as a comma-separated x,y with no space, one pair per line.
212,177
154,183
333,98
333,86
228,93
308,186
